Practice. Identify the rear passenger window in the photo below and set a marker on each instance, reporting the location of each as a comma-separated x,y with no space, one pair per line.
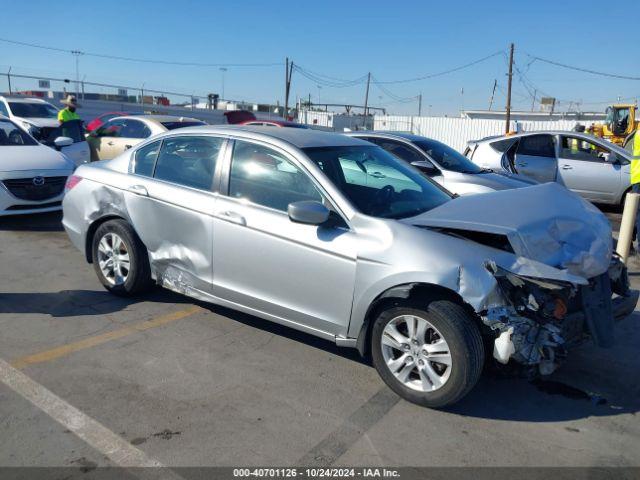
146,158
188,161
401,151
537,146
265,177
502,145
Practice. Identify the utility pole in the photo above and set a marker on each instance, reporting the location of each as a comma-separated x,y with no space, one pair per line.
493,92
287,86
9,79
366,99
508,119
420,105
533,103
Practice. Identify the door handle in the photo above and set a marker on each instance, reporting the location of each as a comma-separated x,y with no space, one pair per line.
110,143
567,167
139,190
521,164
232,217
127,147
378,175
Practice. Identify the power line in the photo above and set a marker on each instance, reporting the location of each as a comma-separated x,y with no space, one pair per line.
580,69
445,72
393,96
327,81
140,60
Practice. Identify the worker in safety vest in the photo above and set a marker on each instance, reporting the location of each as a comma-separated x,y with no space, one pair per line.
635,178
574,142
69,112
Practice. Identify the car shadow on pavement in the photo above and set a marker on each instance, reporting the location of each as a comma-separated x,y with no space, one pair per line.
286,332
74,303
38,222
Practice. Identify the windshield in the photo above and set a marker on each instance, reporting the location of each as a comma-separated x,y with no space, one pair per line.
447,157
174,125
33,110
376,182
13,136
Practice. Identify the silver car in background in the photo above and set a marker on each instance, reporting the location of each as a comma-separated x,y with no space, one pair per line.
592,167
443,164
294,226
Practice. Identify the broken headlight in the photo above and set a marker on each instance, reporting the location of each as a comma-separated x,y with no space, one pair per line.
540,300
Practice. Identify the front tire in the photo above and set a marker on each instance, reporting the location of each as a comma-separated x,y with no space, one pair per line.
120,259
431,356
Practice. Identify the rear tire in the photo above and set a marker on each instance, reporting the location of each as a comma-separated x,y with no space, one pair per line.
120,259
430,383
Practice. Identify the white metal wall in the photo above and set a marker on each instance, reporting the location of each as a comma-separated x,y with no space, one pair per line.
456,132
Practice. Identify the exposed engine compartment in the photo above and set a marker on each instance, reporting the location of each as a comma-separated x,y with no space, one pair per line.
544,317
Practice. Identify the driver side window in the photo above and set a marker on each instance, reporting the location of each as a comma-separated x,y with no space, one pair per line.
265,177
110,129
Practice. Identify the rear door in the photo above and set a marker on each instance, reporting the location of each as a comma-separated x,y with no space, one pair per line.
535,157
170,200
583,169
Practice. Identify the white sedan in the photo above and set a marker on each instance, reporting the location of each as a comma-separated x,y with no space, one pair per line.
32,176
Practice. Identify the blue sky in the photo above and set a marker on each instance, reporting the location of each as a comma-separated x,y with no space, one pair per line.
343,39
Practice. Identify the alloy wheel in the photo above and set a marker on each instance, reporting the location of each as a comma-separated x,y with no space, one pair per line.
113,258
416,353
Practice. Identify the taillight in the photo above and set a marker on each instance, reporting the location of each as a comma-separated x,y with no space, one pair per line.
72,181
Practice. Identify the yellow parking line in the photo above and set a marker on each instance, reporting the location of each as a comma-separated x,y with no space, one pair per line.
69,348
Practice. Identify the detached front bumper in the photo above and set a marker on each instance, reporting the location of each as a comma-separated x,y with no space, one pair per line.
544,319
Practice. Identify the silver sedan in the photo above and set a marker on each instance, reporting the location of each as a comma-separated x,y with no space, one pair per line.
592,167
296,226
443,164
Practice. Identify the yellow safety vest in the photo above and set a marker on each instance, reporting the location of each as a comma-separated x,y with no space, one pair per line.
66,115
635,163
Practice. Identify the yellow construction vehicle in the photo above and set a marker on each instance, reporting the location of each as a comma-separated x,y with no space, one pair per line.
620,125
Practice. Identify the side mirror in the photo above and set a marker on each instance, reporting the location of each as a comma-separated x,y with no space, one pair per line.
611,158
62,142
308,212
425,167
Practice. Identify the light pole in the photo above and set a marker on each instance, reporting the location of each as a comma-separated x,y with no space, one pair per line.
319,88
77,53
223,70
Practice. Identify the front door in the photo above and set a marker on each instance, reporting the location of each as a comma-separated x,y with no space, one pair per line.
583,168
115,137
171,202
294,273
535,158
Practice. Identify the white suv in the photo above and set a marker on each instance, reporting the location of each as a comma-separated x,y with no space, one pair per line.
40,119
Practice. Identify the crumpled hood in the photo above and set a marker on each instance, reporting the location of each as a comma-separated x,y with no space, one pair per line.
546,223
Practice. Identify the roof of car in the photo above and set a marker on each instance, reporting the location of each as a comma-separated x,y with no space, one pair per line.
571,133
23,99
282,123
160,118
383,133
298,137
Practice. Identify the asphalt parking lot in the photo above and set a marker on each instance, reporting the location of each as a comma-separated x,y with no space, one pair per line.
164,379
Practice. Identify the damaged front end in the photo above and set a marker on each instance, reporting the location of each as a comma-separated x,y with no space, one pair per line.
542,318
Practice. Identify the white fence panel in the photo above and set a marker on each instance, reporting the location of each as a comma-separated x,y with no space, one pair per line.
456,132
